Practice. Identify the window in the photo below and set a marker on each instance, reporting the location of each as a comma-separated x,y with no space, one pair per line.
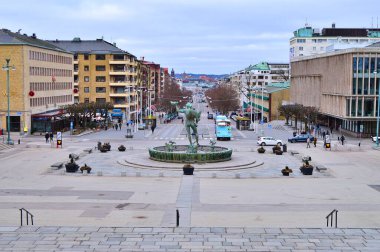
300,48
100,78
86,100
100,57
353,107
369,106
100,68
75,56
86,90
100,89
86,68
360,107
101,100
86,57
86,78
322,48
75,67
366,65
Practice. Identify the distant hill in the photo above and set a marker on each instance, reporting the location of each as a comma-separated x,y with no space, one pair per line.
197,76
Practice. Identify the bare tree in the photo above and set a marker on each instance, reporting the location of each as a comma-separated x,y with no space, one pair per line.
223,98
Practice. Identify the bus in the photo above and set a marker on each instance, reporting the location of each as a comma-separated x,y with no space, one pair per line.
223,130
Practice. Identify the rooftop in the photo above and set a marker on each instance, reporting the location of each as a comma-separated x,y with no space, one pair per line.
15,38
309,31
98,46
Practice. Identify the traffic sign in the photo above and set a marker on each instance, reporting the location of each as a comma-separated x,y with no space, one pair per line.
59,135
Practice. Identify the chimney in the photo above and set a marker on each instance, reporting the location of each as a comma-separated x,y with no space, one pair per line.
333,25
114,44
34,36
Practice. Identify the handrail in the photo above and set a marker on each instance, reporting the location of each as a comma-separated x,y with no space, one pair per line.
331,217
27,216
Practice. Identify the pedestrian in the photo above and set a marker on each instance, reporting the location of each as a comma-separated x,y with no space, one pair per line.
182,120
116,126
51,136
324,135
120,125
331,129
315,142
308,142
152,128
47,137
342,138
113,126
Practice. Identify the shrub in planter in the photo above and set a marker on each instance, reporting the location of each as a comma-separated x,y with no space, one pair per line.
276,148
121,148
261,150
85,168
307,169
188,169
286,171
71,166
278,152
107,146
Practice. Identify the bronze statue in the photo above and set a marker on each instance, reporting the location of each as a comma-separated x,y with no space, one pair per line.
192,118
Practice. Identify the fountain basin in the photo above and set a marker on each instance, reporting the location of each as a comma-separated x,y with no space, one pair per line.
205,154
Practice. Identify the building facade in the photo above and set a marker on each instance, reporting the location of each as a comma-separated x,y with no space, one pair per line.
103,73
42,82
344,85
256,77
308,41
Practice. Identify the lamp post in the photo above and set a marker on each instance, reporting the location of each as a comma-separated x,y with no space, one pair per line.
378,113
7,67
248,82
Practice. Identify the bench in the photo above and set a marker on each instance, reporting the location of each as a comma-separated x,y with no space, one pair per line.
74,156
306,158
57,165
294,153
321,168
89,150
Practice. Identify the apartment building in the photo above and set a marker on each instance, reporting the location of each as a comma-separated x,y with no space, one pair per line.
40,81
257,76
103,73
343,84
308,41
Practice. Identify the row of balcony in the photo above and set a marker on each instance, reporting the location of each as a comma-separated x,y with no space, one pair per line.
116,61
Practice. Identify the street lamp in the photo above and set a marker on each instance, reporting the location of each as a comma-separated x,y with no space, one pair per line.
7,67
262,104
378,113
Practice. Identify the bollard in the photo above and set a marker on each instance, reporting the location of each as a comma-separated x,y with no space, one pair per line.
177,223
19,141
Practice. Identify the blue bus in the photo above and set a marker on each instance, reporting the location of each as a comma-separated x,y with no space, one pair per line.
223,128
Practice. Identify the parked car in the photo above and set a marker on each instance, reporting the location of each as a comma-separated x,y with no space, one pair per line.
210,116
179,117
374,138
268,141
301,138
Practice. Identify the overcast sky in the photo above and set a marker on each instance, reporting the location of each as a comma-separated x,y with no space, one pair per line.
199,36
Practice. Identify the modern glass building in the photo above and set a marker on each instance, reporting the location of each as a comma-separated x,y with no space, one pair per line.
344,85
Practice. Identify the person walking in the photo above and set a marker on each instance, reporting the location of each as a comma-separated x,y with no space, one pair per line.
116,126
51,135
342,138
153,128
120,125
308,142
47,137
315,142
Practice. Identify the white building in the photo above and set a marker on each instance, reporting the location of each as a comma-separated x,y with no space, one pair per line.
308,41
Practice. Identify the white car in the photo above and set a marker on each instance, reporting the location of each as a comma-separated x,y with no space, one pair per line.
268,141
374,139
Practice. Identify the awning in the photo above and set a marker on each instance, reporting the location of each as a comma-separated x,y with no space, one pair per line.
49,114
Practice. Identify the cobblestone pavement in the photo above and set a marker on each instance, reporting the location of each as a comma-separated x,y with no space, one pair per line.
186,239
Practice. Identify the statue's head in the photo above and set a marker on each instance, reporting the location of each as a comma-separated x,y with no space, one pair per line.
189,105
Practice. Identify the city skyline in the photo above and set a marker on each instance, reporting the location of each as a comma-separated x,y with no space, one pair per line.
211,37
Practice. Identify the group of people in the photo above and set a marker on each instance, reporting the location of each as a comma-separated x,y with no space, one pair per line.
49,137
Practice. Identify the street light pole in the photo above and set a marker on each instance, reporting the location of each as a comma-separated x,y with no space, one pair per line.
7,67
378,113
